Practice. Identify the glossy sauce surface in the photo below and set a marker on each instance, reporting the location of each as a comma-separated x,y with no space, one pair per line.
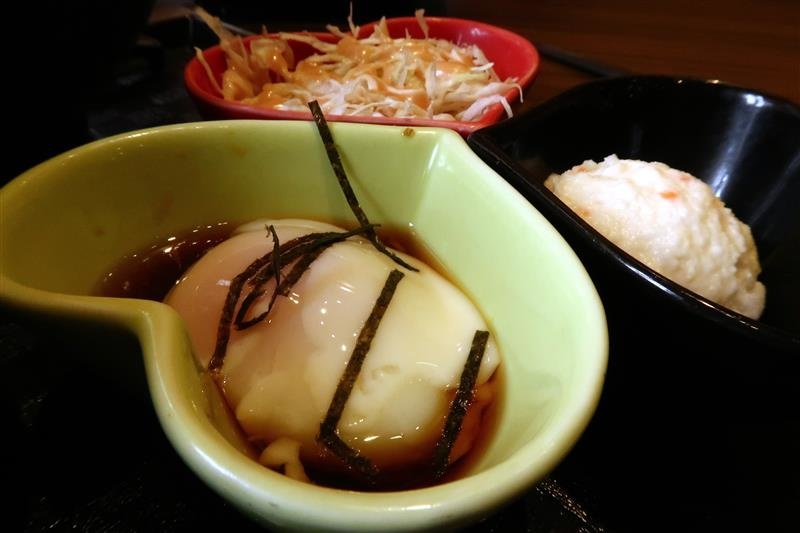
151,272
134,277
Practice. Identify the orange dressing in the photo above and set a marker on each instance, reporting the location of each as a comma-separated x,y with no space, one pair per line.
376,74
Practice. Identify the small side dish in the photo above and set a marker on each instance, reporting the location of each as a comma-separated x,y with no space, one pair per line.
410,71
370,75
87,209
672,222
344,362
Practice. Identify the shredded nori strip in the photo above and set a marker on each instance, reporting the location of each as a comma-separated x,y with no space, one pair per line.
254,274
226,317
461,402
274,267
344,183
327,429
276,261
276,273
351,457
281,289
306,251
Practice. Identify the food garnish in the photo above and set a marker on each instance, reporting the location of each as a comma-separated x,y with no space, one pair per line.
327,429
303,249
460,404
344,183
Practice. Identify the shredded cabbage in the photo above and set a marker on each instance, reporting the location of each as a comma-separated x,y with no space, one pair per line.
373,76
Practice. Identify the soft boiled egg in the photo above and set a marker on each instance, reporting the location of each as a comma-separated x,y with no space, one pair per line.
279,376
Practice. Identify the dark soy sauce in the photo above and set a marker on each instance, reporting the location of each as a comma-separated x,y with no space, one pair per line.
150,273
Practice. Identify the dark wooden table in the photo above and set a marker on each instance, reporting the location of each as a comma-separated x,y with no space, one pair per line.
755,44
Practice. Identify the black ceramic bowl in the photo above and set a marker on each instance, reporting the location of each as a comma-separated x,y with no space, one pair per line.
696,395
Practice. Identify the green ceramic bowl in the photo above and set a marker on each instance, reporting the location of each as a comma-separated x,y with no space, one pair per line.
65,222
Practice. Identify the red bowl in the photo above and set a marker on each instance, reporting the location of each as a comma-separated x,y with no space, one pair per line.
512,54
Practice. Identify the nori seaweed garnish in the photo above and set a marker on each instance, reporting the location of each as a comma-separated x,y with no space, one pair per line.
276,262
344,183
327,429
257,274
281,288
307,252
460,404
